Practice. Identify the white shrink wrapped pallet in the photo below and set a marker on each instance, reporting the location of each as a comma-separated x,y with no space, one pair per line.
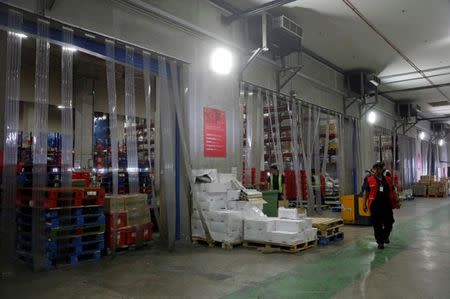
225,226
288,213
291,225
256,229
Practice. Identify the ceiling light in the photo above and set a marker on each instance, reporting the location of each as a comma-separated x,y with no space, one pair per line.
422,135
221,61
69,49
441,142
371,117
18,34
61,107
374,79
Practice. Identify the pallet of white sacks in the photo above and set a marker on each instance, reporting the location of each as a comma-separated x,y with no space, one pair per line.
267,247
227,245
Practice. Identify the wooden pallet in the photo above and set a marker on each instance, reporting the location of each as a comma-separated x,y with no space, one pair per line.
323,224
224,245
267,247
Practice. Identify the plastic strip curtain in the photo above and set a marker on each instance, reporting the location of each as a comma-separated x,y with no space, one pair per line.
67,112
316,158
258,137
178,73
167,125
112,109
249,116
130,123
148,107
112,106
326,144
11,129
272,148
311,130
278,152
341,171
294,117
40,141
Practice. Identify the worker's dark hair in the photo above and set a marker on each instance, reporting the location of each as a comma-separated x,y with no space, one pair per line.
274,167
378,164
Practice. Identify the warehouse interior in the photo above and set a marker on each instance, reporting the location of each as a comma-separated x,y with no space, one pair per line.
224,148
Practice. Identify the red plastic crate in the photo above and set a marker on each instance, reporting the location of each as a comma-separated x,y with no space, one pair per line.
121,237
82,175
131,235
94,196
121,220
145,231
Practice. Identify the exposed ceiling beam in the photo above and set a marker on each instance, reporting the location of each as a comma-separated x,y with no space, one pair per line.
226,6
414,88
256,10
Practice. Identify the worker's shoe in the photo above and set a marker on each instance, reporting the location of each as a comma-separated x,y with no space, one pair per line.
380,246
387,241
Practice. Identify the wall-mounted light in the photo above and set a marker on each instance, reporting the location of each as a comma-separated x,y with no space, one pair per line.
422,135
221,61
18,34
371,117
70,49
441,142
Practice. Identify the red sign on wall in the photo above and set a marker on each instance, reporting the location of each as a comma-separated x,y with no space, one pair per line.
214,133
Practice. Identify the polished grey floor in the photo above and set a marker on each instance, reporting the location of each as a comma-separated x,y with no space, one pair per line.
415,265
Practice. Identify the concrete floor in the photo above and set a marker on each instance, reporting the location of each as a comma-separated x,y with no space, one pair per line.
415,265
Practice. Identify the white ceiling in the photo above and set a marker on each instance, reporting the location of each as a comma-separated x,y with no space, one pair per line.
418,28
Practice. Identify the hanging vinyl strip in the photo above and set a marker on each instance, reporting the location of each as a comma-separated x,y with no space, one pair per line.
130,123
258,138
66,108
148,107
249,112
167,154
11,131
39,146
112,106
278,151
294,116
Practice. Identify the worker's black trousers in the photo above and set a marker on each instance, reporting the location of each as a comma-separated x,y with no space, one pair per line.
382,219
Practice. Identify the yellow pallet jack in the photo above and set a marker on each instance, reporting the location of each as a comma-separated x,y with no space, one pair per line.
352,210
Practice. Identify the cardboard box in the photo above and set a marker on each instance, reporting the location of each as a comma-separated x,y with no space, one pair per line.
138,216
114,204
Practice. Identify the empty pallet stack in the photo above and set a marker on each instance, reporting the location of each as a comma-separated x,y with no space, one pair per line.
59,226
328,229
128,222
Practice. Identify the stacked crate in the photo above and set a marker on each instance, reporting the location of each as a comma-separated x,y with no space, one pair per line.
71,225
128,221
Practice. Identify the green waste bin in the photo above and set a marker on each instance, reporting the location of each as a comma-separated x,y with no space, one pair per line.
271,207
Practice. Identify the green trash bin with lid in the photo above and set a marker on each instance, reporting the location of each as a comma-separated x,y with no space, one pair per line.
271,207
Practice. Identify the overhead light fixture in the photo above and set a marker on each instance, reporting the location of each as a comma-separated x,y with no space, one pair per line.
221,61
61,107
371,117
18,34
250,93
372,78
422,135
70,49
441,142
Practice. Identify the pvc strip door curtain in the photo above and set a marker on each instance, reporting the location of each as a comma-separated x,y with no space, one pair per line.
130,123
39,146
11,127
66,111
